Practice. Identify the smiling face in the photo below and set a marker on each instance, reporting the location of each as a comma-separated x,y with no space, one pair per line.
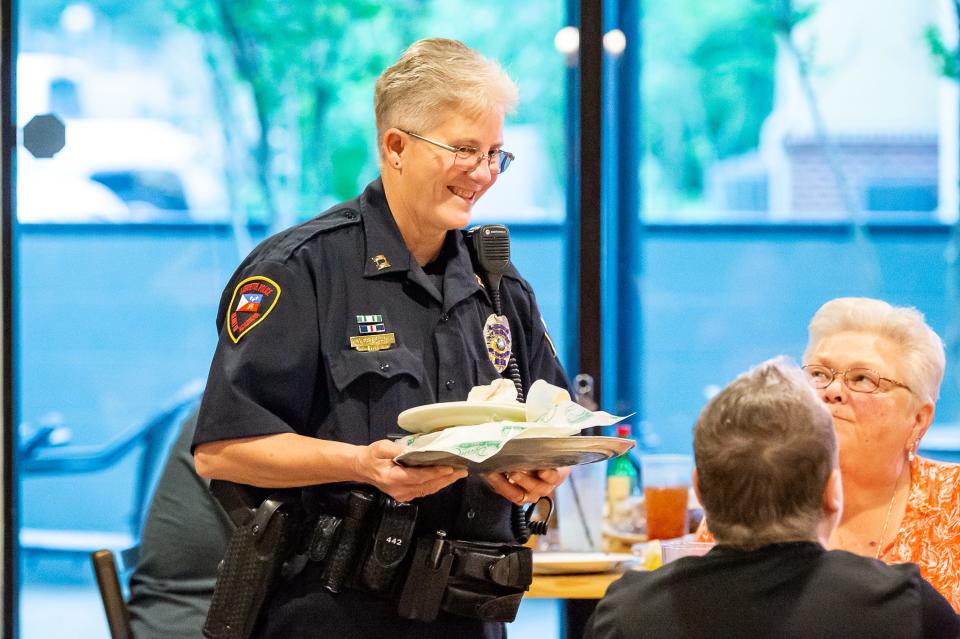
874,430
430,190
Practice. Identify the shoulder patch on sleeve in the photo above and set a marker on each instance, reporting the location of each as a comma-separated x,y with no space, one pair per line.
252,301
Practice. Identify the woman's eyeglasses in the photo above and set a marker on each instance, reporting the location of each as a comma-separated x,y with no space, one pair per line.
860,380
469,158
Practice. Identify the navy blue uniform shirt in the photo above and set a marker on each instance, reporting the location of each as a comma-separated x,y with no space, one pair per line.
285,364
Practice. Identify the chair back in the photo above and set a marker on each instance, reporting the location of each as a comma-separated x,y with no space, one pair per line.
111,593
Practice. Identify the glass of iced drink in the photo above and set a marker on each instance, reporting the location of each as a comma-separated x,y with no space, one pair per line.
666,484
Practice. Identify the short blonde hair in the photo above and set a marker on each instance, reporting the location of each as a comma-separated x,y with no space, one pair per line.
764,448
921,349
434,77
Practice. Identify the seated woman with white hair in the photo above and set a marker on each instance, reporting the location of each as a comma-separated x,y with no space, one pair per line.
878,368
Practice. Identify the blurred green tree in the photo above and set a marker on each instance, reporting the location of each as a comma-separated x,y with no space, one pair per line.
301,70
519,35
310,69
947,59
708,84
292,82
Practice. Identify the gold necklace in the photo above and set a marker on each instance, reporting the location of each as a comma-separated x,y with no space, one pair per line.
886,519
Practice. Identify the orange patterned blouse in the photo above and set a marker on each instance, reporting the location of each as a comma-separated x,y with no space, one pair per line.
929,534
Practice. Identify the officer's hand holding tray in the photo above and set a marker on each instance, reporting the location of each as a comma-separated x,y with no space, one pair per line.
492,432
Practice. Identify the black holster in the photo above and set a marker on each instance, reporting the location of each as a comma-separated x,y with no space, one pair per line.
468,578
251,567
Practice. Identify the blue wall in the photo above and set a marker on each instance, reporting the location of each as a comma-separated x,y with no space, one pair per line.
114,320
718,300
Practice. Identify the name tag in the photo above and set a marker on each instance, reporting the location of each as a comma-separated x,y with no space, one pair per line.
369,343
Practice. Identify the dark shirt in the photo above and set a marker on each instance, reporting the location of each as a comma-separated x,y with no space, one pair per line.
184,537
296,372
778,591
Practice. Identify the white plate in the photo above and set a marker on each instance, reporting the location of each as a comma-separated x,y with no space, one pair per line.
431,417
623,536
527,453
568,563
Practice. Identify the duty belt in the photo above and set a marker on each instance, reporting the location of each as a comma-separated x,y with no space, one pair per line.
369,550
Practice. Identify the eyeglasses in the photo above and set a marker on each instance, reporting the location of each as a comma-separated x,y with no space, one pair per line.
469,158
860,380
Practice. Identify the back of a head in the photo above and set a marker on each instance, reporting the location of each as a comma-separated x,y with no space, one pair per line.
435,77
921,349
764,449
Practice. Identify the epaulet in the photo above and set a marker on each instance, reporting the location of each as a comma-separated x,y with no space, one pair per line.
334,219
285,243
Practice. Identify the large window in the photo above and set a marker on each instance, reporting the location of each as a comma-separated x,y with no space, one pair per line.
793,152
192,130
762,110
202,111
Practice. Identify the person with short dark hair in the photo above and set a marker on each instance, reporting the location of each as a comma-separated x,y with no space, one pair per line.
767,475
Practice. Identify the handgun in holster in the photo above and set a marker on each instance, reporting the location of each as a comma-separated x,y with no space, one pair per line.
265,537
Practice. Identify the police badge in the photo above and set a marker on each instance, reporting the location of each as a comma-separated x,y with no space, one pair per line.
496,335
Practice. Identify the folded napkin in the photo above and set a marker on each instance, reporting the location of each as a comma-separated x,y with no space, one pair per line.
502,391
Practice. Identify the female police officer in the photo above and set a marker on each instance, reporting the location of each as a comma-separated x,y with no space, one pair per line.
330,329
